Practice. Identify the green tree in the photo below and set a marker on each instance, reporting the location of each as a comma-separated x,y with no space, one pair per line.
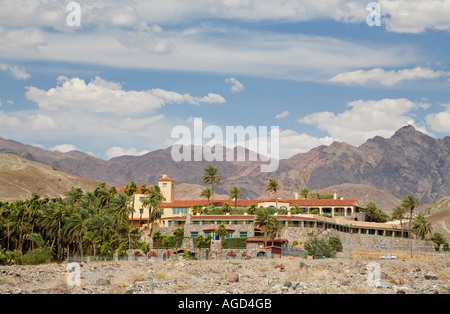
206,192
262,220
410,203
157,238
221,232
318,248
304,193
438,239
273,187
166,242
179,235
398,213
152,201
211,176
199,242
226,208
130,191
375,214
235,193
336,244
421,226
197,209
274,228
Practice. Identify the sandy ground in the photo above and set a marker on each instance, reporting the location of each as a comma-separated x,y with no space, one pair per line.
274,276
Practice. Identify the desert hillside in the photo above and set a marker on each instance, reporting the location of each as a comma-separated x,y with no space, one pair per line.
438,214
20,178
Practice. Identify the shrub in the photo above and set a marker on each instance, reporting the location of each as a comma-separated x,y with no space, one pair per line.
235,243
336,244
36,257
318,248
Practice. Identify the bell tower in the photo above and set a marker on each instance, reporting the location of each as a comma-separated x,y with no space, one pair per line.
167,186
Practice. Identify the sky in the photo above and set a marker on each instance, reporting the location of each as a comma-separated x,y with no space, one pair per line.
133,71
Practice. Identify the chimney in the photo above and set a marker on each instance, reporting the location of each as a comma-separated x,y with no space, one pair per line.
164,176
335,196
296,196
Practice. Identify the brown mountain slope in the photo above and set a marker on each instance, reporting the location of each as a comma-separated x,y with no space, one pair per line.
409,162
20,178
438,214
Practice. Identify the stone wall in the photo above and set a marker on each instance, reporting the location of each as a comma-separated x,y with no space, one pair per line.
356,240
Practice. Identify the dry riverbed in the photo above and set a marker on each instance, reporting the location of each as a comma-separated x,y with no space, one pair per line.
279,276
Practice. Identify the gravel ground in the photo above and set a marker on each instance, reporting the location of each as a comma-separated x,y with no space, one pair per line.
275,276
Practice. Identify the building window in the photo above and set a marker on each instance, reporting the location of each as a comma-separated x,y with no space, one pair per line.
243,234
295,223
180,210
194,234
164,185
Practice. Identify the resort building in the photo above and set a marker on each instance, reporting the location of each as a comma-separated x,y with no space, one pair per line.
343,215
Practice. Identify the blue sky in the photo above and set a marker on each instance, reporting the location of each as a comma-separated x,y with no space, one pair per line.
134,70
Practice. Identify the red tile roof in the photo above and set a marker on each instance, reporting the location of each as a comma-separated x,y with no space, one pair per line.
166,179
247,203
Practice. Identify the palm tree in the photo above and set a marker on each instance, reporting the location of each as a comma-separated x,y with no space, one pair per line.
206,192
221,232
152,201
197,209
208,241
211,176
120,205
438,239
399,213
304,193
76,227
252,209
234,193
421,226
166,242
199,243
274,227
262,220
157,239
130,190
273,187
410,202
226,207
75,195
179,235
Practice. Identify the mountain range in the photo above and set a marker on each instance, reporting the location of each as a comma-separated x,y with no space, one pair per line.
382,169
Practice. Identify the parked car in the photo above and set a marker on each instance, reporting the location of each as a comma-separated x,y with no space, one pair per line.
388,257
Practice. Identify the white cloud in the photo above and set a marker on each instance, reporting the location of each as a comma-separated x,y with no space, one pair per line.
440,122
386,78
42,122
147,42
16,72
8,121
21,39
282,115
119,151
415,16
64,148
100,96
366,119
236,86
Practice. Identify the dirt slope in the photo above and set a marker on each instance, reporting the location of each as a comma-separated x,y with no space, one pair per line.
19,178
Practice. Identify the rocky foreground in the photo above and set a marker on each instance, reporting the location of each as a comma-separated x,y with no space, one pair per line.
290,276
